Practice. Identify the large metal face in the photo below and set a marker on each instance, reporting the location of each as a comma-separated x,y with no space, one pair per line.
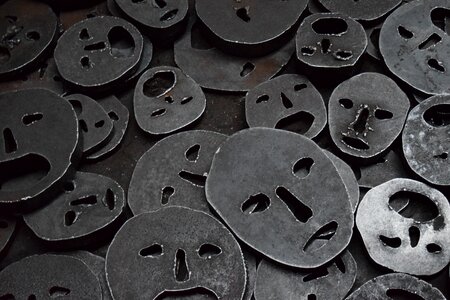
174,172
98,52
171,250
287,102
269,198
88,206
366,114
27,29
388,286
213,69
236,25
166,100
47,277
414,42
361,10
406,218
425,140
330,41
33,124
331,281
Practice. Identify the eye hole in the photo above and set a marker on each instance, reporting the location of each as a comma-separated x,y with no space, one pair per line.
31,118
255,204
346,103
382,114
302,167
208,251
154,250
192,153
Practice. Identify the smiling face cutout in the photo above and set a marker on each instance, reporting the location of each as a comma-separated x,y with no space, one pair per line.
271,190
172,250
33,124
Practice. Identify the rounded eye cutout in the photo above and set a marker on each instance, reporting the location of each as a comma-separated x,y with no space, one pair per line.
31,118
152,251
302,167
208,251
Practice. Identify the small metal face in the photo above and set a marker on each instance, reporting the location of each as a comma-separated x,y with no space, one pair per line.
98,52
287,102
119,116
406,218
88,206
367,10
215,70
173,172
27,30
235,25
414,42
366,114
348,177
33,123
331,281
49,276
269,198
166,100
175,249
159,19
425,140
95,124
329,40
388,286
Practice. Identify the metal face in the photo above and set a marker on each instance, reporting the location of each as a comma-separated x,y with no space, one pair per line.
89,205
33,124
119,116
98,52
215,70
425,140
235,26
175,249
366,114
27,30
406,218
331,281
367,10
287,102
348,177
158,19
173,172
95,124
49,276
166,100
329,40
414,42
269,198
388,286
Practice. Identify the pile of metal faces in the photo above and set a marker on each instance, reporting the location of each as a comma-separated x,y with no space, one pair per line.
228,149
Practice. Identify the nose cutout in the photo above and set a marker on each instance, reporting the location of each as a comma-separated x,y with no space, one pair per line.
9,141
181,268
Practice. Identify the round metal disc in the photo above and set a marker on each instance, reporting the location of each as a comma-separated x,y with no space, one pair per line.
172,250
166,100
83,213
367,10
414,42
425,140
39,139
366,114
406,218
267,185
